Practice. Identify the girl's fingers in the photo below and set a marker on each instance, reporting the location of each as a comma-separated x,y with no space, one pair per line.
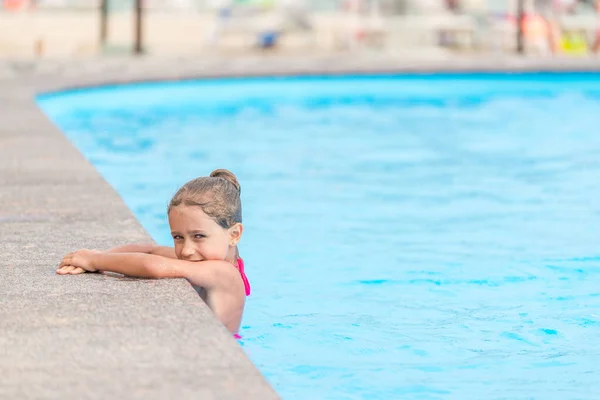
70,270
67,269
61,271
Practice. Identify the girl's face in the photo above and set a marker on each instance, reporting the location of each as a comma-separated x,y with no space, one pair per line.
198,237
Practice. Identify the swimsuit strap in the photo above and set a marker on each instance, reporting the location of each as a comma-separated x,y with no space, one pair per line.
240,264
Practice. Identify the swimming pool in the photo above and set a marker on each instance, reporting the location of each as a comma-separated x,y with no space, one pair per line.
426,237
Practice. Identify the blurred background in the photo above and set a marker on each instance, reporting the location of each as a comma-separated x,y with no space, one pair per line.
73,28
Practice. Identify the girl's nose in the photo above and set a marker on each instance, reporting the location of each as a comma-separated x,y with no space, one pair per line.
187,250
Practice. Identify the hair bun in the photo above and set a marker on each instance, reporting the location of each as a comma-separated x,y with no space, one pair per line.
227,175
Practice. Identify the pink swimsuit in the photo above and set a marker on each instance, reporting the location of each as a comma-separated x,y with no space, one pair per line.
240,265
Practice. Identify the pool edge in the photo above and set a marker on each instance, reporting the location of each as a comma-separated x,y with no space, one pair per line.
91,336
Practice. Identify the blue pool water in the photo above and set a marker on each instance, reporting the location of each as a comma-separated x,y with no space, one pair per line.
415,237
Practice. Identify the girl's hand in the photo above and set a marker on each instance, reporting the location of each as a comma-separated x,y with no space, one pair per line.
77,262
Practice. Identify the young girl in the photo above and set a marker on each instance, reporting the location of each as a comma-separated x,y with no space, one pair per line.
205,217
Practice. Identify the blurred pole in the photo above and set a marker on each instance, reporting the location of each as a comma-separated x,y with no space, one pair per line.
138,49
103,22
597,38
520,24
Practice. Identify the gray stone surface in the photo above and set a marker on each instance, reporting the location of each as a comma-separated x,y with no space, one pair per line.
80,73
97,336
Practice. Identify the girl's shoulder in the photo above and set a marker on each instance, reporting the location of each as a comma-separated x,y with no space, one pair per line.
213,274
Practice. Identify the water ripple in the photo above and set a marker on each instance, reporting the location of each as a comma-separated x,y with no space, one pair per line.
420,237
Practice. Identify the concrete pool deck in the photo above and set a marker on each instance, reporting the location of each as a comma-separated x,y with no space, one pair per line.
96,336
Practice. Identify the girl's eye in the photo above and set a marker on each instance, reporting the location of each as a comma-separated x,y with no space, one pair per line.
177,237
199,236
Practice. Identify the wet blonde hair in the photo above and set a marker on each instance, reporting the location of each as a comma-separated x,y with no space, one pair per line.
218,195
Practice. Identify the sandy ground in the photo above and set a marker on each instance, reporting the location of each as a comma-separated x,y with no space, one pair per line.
60,33
45,33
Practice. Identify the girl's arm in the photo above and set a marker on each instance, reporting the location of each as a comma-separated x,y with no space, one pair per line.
147,248
204,273
212,275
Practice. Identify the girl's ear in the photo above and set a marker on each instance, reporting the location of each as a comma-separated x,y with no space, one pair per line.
235,234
